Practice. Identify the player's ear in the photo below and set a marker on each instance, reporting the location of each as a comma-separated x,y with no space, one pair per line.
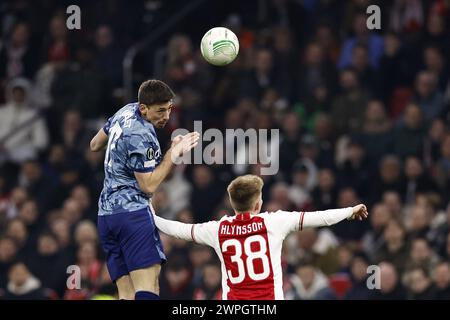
258,206
142,107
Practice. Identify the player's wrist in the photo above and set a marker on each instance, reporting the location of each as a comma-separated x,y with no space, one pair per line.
173,154
351,214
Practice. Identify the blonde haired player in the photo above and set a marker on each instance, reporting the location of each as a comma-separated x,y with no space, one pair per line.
249,243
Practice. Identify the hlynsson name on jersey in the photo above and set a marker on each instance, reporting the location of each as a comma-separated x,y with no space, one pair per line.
240,230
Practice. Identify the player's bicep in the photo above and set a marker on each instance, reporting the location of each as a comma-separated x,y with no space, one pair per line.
99,141
205,233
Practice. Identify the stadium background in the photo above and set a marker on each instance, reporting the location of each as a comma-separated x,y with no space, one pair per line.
364,117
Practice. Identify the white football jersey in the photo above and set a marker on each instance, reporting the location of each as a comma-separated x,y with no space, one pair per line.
249,247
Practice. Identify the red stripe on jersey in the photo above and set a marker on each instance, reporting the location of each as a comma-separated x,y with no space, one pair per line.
301,221
244,244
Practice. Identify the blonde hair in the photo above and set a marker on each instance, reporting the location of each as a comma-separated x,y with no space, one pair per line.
244,191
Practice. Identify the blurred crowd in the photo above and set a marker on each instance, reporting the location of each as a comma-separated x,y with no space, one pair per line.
363,116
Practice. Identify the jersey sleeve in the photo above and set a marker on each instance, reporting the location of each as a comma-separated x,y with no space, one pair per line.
175,229
206,233
141,152
107,125
325,218
286,221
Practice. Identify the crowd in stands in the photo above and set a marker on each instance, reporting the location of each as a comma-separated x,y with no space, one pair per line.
364,117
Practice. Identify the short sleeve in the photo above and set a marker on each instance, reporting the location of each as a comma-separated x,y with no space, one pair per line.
206,233
142,152
107,125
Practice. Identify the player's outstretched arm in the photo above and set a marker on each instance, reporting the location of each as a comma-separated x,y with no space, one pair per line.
149,181
99,141
330,217
175,229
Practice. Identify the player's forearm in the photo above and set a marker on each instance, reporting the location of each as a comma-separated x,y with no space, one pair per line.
175,229
159,174
324,218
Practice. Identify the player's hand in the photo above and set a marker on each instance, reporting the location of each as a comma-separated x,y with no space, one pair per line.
359,212
184,145
176,140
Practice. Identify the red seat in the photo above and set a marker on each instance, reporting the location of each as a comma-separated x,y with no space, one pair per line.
340,283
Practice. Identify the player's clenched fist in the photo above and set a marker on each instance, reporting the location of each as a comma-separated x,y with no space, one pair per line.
359,212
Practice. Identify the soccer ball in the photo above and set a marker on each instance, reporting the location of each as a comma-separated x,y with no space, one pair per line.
219,46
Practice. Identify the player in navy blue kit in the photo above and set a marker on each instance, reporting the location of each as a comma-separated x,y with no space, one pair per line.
134,168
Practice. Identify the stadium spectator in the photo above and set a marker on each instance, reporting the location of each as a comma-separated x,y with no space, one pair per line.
415,181
443,165
393,201
199,257
389,177
395,248
428,97
395,67
206,193
23,285
373,239
408,137
176,279
348,107
210,287
23,133
435,63
325,194
33,180
362,35
391,287
109,55
49,263
376,131
419,284
90,268
319,246
421,255
8,253
359,289
441,278
85,232
309,283
81,194
14,202
18,56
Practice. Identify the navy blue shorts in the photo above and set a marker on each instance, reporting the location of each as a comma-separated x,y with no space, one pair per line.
130,241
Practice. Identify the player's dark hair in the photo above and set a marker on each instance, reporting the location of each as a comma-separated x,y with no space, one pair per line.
154,92
244,191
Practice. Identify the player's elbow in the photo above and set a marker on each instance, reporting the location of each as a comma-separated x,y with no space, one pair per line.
147,188
94,145
146,182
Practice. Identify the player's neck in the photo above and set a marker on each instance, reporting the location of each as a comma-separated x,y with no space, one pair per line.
237,213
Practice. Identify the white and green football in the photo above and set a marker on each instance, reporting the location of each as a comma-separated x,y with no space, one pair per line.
219,46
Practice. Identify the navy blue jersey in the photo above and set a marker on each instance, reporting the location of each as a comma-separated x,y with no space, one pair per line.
132,147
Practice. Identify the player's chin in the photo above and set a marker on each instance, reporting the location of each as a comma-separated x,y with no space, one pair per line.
161,124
